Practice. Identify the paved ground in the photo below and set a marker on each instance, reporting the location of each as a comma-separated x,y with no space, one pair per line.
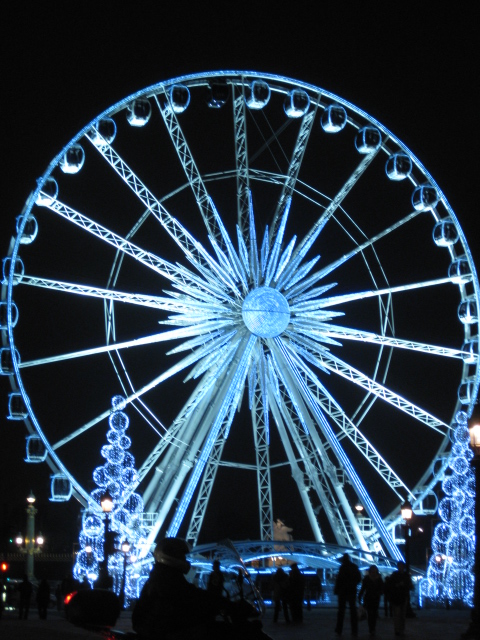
318,625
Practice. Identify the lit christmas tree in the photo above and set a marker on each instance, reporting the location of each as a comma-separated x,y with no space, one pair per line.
449,576
119,478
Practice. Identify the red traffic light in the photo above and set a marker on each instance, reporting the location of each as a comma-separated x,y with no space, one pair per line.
4,566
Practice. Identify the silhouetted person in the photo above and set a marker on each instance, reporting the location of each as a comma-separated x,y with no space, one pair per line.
280,594
348,578
386,597
43,599
239,580
400,585
370,594
171,608
25,588
216,581
297,590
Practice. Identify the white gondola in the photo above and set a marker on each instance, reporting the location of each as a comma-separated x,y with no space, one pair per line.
297,103
48,193
103,132
445,233
334,118
18,272
468,312
16,407
398,167
6,361
30,230
60,487
470,351
257,94
459,271
368,139
466,391
179,97
4,317
139,112
73,159
35,450
424,197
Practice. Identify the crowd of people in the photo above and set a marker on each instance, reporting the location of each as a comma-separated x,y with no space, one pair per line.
395,589
171,607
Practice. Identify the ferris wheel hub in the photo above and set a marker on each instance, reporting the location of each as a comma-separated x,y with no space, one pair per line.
266,312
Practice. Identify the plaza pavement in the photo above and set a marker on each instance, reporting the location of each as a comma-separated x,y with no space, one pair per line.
429,624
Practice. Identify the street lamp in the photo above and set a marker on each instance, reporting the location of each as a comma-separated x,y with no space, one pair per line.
104,581
474,629
32,545
407,514
125,550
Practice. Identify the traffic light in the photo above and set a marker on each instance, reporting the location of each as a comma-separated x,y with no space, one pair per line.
4,567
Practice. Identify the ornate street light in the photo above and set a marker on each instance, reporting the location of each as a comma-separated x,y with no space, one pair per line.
104,580
125,547
407,514
474,629
32,545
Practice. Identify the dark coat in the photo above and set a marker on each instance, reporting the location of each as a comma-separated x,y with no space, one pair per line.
169,603
348,578
399,587
371,591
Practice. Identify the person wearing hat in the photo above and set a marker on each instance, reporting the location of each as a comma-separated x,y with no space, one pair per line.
171,608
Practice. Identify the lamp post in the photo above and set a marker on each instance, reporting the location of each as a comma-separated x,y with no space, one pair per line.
32,545
104,581
125,550
407,514
474,629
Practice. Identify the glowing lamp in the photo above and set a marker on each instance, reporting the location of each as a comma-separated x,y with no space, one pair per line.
106,503
406,511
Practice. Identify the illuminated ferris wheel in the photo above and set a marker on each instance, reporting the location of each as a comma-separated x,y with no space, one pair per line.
275,284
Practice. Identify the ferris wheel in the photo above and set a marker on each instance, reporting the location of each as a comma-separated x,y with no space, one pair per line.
273,282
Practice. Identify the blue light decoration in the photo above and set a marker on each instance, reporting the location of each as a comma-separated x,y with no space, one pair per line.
449,577
119,477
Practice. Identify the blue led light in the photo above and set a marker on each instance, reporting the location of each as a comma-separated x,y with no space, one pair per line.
265,312
119,477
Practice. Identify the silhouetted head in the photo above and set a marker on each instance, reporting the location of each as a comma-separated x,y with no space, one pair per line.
172,552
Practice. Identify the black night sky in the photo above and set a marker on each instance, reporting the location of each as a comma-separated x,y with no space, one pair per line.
413,69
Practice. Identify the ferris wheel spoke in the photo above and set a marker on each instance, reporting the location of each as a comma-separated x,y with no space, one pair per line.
224,415
293,168
189,165
338,450
175,369
361,295
335,331
177,232
202,329
338,366
179,275
347,427
368,243
300,399
154,302
310,237
241,157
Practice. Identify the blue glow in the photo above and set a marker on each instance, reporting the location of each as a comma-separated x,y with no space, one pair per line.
265,312
119,477
450,576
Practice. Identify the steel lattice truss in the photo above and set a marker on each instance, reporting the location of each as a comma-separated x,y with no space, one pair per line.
274,261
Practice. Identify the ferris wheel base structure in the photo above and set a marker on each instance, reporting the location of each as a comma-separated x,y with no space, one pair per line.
275,285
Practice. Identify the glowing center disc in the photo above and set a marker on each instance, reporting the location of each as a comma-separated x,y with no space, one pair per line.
265,312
